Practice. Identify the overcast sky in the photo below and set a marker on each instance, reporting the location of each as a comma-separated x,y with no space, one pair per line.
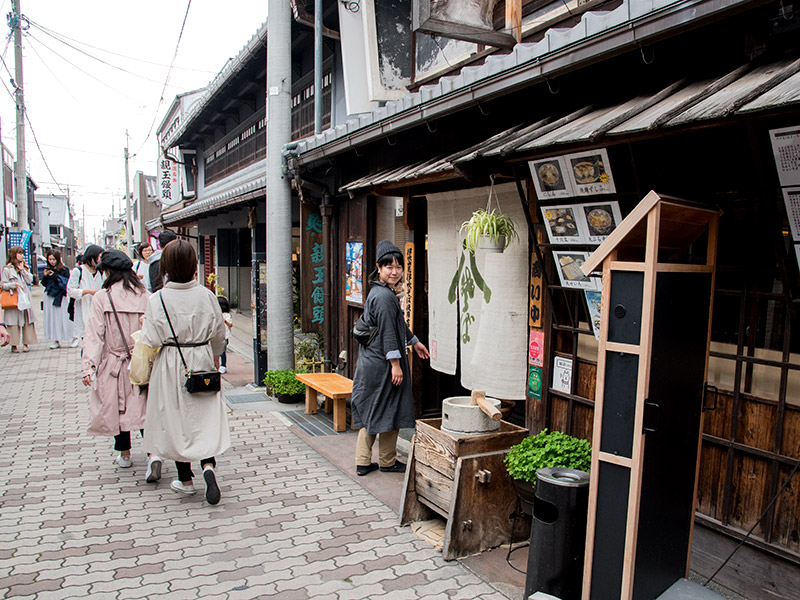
94,68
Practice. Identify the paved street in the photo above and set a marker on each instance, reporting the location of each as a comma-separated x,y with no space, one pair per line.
290,524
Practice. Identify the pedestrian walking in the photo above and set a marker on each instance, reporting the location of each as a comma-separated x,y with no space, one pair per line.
116,406
225,307
57,326
182,426
20,321
382,402
156,275
84,281
142,266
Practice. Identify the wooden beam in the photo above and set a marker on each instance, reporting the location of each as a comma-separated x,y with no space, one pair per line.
514,19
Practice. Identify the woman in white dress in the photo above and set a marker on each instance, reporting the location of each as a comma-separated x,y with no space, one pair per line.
181,426
84,282
55,277
17,277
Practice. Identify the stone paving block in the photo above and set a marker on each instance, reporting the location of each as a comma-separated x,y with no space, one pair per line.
61,572
406,582
297,583
470,591
37,587
144,591
89,578
118,583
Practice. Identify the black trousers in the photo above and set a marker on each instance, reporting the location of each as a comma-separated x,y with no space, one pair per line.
185,468
122,441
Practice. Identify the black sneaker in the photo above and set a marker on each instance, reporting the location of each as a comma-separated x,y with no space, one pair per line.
397,467
364,469
212,489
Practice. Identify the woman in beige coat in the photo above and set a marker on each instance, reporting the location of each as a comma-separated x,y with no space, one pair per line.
116,406
17,277
181,426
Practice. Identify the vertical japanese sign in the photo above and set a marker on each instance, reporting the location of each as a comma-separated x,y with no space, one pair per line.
536,291
408,283
312,270
168,187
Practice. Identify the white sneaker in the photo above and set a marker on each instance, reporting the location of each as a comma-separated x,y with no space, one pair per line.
223,369
75,343
153,469
186,490
55,345
123,462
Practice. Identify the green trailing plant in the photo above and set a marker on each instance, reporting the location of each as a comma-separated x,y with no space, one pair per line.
547,449
283,382
491,224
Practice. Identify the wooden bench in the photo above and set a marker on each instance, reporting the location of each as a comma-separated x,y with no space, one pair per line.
335,388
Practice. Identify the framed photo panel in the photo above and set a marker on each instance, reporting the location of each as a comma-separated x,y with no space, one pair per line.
569,270
600,219
551,178
354,277
590,173
564,224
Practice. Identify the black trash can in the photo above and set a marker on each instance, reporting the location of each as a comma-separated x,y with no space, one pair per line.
558,533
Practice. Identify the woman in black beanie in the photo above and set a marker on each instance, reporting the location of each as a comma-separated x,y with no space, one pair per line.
382,402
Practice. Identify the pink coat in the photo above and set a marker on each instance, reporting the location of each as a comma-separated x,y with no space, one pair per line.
115,404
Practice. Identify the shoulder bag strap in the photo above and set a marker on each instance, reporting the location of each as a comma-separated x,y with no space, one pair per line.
174,335
119,325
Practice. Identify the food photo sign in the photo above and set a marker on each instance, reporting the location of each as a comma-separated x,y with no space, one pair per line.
590,173
569,265
551,178
589,223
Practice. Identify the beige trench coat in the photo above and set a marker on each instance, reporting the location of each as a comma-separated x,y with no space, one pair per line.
10,278
182,426
115,404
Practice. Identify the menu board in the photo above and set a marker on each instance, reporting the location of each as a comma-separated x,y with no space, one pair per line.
791,199
562,374
593,299
590,173
551,178
569,270
564,224
589,223
786,150
600,219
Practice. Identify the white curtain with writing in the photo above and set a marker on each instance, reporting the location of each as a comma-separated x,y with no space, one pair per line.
492,335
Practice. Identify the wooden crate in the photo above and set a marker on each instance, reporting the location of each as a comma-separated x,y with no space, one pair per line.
465,481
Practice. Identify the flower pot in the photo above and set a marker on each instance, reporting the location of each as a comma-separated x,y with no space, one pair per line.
489,245
290,398
526,491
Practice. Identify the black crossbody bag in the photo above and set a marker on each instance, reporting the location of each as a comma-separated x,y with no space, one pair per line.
197,382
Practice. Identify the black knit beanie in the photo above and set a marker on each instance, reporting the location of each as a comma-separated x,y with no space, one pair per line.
385,247
115,260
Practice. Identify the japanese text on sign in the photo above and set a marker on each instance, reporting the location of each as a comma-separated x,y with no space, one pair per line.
312,257
169,190
408,282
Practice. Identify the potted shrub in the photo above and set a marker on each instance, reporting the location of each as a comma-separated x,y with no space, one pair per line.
487,230
545,449
282,384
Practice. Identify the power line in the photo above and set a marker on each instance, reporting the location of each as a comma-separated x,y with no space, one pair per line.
166,81
58,36
46,66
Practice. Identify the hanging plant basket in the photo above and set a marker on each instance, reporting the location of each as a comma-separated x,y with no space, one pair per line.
489,229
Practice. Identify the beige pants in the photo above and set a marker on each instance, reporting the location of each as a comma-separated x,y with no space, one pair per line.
387,448
28,334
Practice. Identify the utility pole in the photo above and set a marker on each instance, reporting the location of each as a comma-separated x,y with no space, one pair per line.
20,174
317,66
128,221
280,336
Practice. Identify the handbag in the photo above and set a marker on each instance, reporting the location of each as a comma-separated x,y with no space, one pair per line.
364,333
8,299
71,304
196,381
142,359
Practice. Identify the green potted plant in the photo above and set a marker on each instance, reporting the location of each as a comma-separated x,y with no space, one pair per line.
488,230
545,449
282,384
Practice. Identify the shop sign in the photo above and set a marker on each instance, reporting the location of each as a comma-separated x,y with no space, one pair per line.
312,266
593,303
354,280
786,150
569,265
168,188
536,291
408,284
581,174
536,349
562,374
589,223
535,382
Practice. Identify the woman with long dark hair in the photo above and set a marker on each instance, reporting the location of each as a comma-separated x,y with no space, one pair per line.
20,321
55,277
381,402
182,426
116,406
84,281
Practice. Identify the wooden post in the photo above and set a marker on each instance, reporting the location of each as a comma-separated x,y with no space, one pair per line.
514,18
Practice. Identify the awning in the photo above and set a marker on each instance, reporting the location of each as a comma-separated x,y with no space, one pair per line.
238,195
743,91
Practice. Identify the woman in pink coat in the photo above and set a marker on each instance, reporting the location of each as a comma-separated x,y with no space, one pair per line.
116,406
